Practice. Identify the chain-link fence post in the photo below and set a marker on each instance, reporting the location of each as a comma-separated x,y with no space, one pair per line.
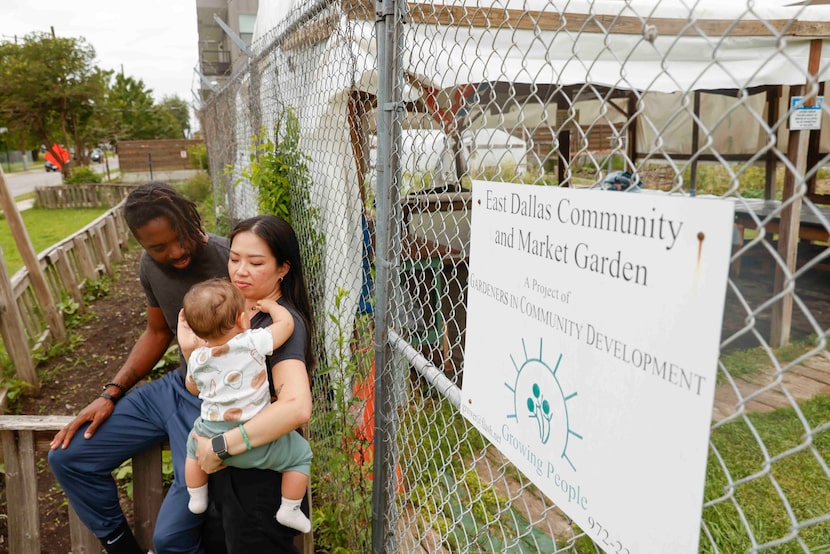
387,235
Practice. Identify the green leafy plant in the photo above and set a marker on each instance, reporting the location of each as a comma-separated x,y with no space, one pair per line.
198,156
340,449
279,173
69,307
98,288
81,176
278,170
124,473
197,188
15,390
168,361
269,174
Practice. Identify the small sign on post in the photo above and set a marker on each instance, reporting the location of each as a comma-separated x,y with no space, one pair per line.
804,117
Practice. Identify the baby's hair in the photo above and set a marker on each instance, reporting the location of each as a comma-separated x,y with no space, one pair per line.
212,307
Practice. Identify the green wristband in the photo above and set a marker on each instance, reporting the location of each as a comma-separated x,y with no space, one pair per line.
245,436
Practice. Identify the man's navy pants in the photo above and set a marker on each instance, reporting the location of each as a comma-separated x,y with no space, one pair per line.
149,414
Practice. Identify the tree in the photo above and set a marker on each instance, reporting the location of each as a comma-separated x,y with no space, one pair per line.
132,113
129,108
49,88
179,111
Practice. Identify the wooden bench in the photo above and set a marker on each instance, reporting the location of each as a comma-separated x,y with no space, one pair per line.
23,437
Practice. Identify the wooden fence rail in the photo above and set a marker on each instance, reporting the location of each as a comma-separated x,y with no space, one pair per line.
85,256
81,196
24,437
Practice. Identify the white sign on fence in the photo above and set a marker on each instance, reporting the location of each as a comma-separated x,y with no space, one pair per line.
803,117
593,327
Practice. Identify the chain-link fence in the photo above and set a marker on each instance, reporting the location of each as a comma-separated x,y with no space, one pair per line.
383,114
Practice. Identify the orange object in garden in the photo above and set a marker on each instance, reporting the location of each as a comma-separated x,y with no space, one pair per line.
62,153
365,426
365,416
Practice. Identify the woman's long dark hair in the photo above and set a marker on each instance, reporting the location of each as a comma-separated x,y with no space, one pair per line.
282,241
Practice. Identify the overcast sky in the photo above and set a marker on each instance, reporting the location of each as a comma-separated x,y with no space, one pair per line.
153,40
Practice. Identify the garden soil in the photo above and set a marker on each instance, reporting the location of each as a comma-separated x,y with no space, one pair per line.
71,379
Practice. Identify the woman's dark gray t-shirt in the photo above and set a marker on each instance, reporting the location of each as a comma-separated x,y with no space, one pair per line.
294,347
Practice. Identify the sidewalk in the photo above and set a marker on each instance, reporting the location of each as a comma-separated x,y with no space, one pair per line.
25,204
766,391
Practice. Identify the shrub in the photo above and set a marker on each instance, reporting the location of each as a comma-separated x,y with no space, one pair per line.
82,175
198,188
198,156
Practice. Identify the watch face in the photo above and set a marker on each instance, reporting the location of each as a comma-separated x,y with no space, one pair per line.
218,443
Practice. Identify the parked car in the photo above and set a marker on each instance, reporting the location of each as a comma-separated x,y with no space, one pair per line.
96,155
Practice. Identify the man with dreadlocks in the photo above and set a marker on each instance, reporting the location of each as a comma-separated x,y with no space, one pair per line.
116,425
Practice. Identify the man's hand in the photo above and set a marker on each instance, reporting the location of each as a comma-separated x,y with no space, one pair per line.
96,413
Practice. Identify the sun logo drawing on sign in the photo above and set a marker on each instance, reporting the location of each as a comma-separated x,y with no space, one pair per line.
539,401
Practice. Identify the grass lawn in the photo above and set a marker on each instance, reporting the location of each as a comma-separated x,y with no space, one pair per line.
762,481
770,478
45,227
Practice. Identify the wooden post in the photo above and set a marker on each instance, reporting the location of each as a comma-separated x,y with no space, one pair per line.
358,106
121,225
21,483
563,138
112,237
27,252
148,492
632,129
85,259
22,437
82,539
782,311
13,330
564,162
695,143
97,234
59,258
773,98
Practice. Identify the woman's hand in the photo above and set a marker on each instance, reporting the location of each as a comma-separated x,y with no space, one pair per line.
209,461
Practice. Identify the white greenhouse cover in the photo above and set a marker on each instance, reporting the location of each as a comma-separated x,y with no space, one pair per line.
668,64
624,61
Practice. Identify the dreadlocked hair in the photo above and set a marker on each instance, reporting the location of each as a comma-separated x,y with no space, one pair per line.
152,200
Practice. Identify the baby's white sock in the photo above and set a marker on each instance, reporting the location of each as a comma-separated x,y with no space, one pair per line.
292,516
198,499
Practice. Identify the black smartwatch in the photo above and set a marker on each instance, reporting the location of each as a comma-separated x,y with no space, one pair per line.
220,447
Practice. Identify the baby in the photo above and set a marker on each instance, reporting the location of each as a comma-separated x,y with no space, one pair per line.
228,372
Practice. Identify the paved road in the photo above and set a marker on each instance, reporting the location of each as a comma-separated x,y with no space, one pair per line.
27,181
22,183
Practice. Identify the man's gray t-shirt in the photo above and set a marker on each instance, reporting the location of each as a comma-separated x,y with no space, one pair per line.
165,288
